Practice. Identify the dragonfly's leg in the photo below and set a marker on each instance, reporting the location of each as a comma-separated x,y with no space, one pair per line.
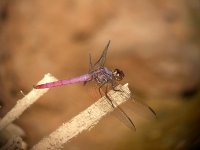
85,82
100,89
117,90
114,88
108,98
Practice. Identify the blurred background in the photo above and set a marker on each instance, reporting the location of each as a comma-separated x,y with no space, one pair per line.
155,43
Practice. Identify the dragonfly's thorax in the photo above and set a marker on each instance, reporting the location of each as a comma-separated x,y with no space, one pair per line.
102,75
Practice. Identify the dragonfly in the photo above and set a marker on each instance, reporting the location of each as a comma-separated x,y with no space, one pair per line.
105,78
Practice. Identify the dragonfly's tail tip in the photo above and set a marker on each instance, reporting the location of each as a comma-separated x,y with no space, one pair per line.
35,86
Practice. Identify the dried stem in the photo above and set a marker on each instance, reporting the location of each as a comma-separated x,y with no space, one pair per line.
83,121
25,102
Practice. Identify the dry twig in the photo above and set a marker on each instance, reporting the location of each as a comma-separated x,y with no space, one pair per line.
25,102
83,121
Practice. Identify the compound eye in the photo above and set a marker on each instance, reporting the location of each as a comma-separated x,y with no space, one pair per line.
118,74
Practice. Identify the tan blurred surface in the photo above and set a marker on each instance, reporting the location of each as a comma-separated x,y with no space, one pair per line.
156,44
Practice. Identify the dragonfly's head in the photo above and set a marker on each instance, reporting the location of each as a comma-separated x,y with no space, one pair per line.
118,74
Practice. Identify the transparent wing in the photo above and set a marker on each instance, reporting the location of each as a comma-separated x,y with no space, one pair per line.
137,108
119,112
123,117
100,63
92,89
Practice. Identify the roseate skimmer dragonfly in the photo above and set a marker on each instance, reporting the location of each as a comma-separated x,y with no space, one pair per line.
104,77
